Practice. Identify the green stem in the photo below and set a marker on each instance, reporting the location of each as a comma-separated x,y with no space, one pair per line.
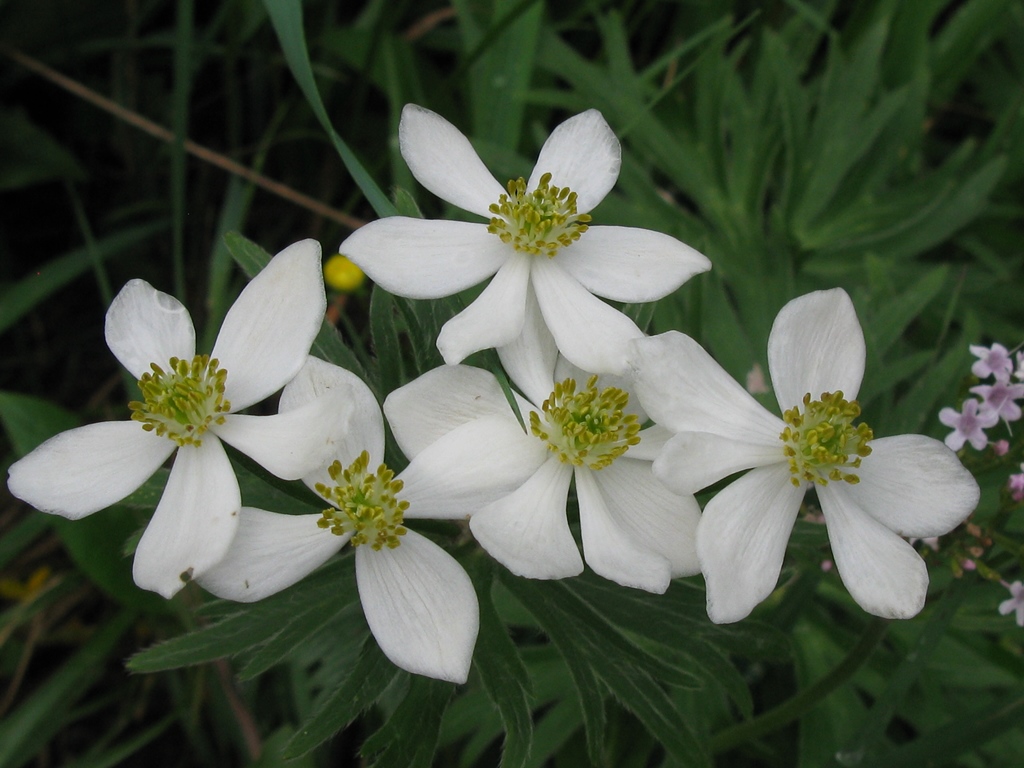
806,699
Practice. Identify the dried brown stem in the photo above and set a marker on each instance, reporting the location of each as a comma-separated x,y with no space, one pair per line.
197,150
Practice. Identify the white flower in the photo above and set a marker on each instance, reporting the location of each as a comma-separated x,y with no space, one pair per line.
191,403
872,491
538,241
635,531
417,599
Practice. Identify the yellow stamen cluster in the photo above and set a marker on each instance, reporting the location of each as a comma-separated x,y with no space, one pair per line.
182,402
821,442
364,504
586,428
541,221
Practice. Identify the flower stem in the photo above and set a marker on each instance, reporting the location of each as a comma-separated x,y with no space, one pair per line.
806,699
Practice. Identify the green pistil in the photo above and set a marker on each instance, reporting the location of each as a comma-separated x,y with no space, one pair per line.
182,402
586,428
541,221
364,504
821,442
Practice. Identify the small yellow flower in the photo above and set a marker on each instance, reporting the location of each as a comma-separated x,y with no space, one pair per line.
342,275
12,589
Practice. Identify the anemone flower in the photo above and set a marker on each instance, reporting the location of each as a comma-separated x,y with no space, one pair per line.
635,531
190,404
873,491
418,601
537,236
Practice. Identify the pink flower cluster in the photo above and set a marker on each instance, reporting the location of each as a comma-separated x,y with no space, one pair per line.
998,399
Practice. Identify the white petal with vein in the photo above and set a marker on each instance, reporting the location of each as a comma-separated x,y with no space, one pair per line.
915,486
609,549
583,154
421,607
269,553
629,264
884,574
435,403
266,334
494,318
144,325
741,540
471,466
425,259
78,472
816,345
527,531
442,160
590,333
193,524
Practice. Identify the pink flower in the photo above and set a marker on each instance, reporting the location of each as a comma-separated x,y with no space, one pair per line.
968,425
993,361
1016,485
1015,603
1001,447
1000,398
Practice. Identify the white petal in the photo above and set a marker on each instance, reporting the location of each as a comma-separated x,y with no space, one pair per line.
583,154
915,486
741,540
269,553
442,160
652,441
83,470
683,388
628,264
816,345
421,607
494,318
144,326
590,333
652,516
291,445
694,460
471,466
527,531
267,333
432,405
364,430
609,549
193,524
529,360
425,259
884,574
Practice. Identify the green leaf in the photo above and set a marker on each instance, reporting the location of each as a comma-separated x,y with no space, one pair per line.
286,16
29,421
385,333
29,155
564,636
323,593
26,729
504,677
409,737
30,291
873,728
370,677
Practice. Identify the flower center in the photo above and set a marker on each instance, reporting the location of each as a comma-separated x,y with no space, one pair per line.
364,504
182,402
540,221
586,428
821,442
